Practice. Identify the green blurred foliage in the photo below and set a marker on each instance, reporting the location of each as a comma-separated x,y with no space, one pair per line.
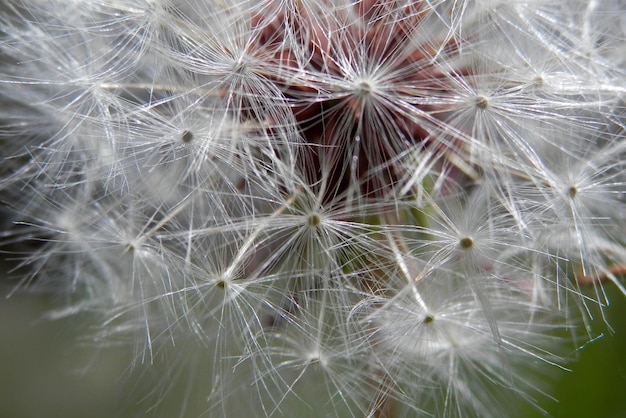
596,386
49,370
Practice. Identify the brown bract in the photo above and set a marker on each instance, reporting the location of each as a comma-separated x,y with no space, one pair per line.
357,80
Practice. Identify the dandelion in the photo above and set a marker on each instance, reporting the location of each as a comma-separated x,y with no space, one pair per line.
332,208
452,340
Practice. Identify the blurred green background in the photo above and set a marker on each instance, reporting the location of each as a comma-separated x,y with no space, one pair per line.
47,370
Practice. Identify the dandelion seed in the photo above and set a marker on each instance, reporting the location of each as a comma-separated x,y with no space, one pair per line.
466,243
187,137
482,102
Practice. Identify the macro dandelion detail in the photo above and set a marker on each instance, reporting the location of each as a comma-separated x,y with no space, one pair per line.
358,208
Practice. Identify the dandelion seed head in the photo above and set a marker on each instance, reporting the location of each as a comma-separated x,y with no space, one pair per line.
355,208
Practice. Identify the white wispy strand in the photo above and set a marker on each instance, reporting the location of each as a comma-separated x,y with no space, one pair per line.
373,208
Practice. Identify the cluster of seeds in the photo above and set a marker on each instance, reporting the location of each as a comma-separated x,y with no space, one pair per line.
377,208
